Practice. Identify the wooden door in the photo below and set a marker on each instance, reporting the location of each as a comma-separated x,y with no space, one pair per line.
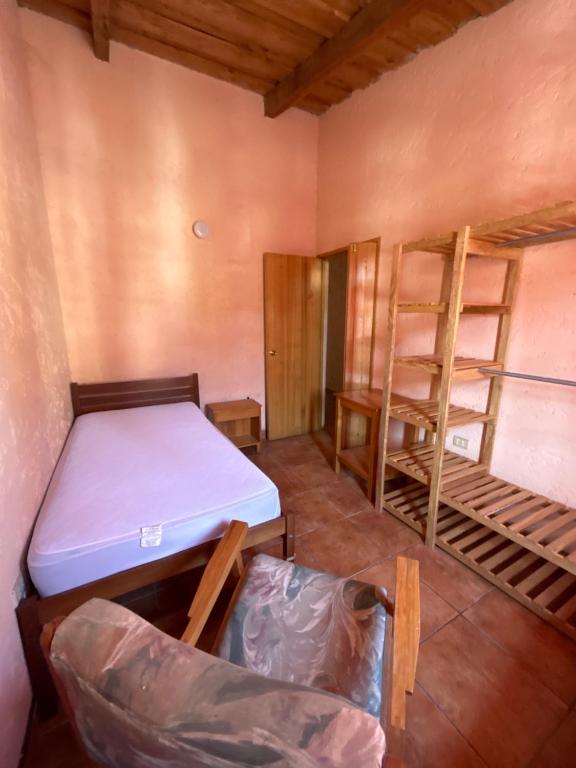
293,344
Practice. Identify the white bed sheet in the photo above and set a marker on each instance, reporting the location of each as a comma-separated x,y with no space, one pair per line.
121,471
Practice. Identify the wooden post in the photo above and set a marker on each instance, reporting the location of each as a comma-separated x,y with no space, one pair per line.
388,371
441,323
100,10
502,337
452,323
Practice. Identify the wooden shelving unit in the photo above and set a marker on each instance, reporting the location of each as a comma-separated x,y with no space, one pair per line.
543,587
523,542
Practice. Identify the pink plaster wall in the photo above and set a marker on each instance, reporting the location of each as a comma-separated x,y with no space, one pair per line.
480,127
133,152
34,401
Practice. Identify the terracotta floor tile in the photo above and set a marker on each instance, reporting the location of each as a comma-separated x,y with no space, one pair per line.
457,584
348,496
313,474
389,535
502,711
545,652
559,751
265,461
312,510
431,739
286,482
294,455
340,548
435,612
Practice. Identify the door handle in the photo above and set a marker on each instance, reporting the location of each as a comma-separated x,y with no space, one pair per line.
272,352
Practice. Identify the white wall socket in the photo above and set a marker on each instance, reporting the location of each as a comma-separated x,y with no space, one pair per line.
460,442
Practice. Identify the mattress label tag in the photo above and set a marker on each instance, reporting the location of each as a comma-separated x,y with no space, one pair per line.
151,536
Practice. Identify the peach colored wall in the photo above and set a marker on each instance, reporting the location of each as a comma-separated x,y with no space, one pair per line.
133,152
34,401
482,126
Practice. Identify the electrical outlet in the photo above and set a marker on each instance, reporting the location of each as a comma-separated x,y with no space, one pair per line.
460,442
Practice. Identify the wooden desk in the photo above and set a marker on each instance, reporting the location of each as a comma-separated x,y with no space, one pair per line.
361,459
239,420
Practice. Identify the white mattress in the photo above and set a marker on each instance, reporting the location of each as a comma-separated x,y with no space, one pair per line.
122,471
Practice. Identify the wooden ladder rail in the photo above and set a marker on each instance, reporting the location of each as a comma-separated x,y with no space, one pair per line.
451,334
388,372
509,295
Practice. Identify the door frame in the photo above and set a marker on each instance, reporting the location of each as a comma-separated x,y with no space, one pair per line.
351,301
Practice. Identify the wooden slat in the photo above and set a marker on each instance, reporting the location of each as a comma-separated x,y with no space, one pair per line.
501,230
137,19
112,395
375,19
424,414
406,638
553,592
509,294
213,579
536,583
389,369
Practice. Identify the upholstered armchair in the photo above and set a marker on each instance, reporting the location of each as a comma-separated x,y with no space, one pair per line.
296,677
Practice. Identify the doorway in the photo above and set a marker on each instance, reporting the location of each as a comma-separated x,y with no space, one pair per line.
336,288
319,340
351,282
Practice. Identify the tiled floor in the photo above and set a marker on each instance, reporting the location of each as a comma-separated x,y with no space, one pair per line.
496,686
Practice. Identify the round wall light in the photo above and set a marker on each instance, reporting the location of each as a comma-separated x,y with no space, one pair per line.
200,229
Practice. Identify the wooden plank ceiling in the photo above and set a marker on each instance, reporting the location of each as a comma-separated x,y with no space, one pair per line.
308,54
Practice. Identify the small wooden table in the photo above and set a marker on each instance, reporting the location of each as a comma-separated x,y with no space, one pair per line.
239,420
361,459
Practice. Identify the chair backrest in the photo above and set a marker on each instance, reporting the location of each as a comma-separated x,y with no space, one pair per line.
141,698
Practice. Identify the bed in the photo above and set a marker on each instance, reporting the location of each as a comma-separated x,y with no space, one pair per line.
144,488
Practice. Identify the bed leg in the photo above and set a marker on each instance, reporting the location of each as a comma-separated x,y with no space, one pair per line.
43,689
288,536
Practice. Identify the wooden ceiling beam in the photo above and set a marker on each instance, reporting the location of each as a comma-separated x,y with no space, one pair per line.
377,18
100,13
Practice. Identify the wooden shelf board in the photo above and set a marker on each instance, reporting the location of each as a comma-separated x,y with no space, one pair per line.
466,308
464,367
243,441
418,460
556,222
424,414
356,459
535,522
541,586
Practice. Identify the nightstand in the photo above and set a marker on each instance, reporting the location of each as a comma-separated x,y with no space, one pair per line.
239,420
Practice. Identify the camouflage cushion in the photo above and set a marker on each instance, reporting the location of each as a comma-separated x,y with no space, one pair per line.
142,699
310,628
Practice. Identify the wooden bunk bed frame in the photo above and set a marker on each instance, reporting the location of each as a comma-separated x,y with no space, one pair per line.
519,540
33,612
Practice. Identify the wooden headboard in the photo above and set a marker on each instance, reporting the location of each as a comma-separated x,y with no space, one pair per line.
111,395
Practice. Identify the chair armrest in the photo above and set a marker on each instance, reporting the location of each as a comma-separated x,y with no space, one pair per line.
227,555
406,638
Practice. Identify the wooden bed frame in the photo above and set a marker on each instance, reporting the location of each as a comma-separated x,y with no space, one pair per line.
33,612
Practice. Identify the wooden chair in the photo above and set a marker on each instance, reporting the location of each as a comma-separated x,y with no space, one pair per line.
104,659
402,631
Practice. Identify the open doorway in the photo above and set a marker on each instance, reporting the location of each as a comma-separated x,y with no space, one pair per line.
336,286
350,284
